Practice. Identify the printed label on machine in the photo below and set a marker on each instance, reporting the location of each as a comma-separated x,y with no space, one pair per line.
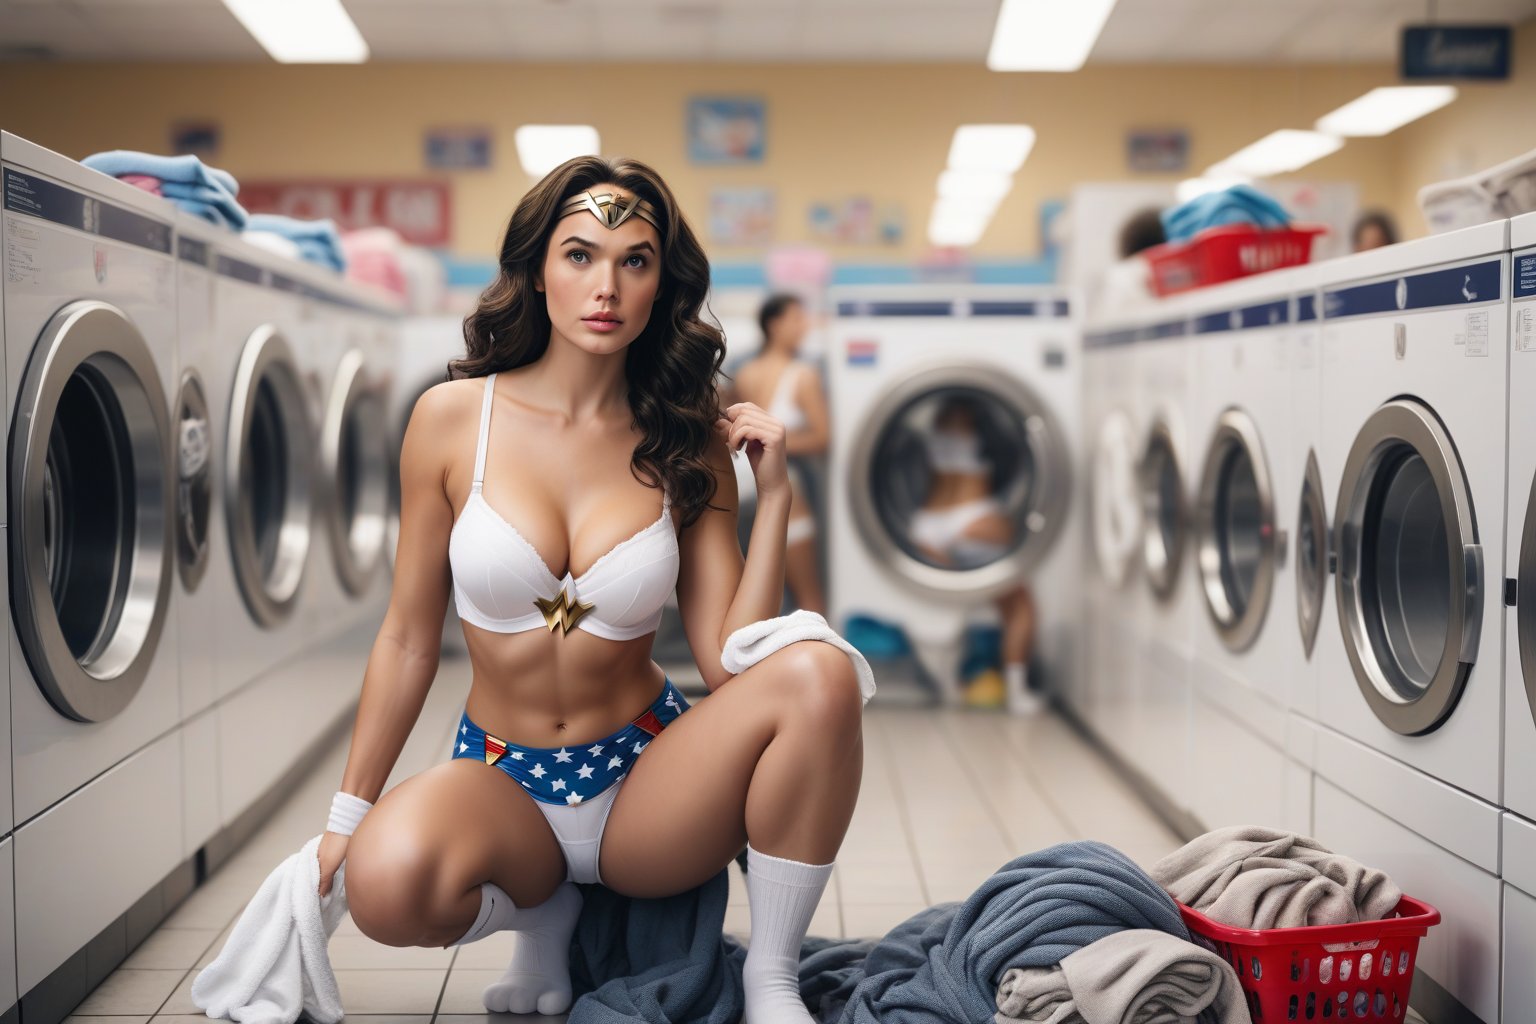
1525,327
1476,337
21,265
1525,275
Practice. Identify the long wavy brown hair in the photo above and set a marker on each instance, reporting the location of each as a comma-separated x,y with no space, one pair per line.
671,367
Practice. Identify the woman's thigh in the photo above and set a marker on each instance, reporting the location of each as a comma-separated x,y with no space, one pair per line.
444,831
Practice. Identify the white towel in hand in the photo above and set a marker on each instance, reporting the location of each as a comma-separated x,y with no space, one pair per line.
275,964
751,644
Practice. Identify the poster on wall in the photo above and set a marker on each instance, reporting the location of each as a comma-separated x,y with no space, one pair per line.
419,210
1157,150
741,216
198,138
857,220
457,149
724,130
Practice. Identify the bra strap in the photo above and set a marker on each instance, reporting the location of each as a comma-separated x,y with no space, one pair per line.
485,432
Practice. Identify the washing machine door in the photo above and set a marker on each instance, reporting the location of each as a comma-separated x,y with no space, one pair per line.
959,480
1409,584
267,477
194,480
1238,545
356,471
1116,499
1164,511
1525,594
1312,554
91,493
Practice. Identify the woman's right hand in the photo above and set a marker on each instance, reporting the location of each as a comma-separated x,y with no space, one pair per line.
333,850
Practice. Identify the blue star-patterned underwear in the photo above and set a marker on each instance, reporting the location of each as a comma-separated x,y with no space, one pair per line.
567,776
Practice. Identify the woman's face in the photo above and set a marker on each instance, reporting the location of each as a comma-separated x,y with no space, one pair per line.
599,283
789,329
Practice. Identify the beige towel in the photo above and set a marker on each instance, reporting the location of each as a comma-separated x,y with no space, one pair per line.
1138,976
1252,877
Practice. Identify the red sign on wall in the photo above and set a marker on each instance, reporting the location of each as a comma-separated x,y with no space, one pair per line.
419,210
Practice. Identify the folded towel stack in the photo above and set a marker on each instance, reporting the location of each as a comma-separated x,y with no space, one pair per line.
1240,204
318,240
186,181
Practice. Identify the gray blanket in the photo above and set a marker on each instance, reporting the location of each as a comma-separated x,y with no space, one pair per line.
666,962
1132,977
1252,877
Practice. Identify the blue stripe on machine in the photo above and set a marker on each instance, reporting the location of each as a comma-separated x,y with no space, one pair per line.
895,309
1522,275
1110,339
1306,307
1458,286
1005,309
191,250
1163,331
49,201
1261,314
228,266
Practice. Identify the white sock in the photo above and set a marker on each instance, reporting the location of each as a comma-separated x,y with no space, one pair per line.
1021,699
539,977
783,895
496,914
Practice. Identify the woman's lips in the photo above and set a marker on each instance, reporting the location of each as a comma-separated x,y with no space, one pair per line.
602,326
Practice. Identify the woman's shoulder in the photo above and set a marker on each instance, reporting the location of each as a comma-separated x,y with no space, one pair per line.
446,405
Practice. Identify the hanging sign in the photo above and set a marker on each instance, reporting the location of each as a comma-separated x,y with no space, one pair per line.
1456,51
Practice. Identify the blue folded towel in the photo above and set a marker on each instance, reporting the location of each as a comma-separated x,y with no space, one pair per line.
212,214
1240,204
318,240
186,169
228,208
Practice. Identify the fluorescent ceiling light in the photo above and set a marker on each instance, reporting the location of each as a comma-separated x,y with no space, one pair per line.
1279,153
1000,148
543,147
1385,110
1046,35
968,184
946,231
967,207
1190,188
302,31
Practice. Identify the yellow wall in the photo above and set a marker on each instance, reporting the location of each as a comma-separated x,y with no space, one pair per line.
1487,125
833,131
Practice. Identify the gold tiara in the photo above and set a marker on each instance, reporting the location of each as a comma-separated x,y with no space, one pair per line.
611,208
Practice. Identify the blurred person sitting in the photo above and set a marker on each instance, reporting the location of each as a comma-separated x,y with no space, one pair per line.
1129,280
1373,229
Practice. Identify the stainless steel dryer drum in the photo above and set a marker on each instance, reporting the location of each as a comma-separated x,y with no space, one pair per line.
267,480
90,462
194,480
353,445
1165,512
1313,554
1022,445
1239,546
1410,569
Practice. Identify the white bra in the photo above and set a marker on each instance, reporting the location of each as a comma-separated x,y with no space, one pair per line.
783,406
502,583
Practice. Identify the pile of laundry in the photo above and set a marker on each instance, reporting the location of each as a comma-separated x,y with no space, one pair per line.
212,194
1240,204
1073,934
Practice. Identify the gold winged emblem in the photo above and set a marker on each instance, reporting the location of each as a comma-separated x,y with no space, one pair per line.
561,611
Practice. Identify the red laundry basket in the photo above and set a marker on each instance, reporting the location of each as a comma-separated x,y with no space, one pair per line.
1346,972
1228,252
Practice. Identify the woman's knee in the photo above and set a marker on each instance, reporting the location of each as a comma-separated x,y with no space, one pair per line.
395,889
823,686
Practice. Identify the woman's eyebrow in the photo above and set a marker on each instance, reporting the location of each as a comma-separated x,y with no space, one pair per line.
579,241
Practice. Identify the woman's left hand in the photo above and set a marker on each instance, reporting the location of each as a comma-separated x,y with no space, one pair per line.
765,437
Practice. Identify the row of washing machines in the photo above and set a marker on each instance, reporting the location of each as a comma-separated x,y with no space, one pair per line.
196,508
1313,595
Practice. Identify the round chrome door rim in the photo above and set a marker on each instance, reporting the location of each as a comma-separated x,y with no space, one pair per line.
97,686
1162,557
1310,590
191,397
1115,549
1051,491
1399,424
357,545
1235,434
270,597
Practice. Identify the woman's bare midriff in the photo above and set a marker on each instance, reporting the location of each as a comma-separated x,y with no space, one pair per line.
543,689
950,489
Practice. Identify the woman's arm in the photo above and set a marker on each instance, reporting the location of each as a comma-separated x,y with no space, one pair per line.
404,658
814,438
718,592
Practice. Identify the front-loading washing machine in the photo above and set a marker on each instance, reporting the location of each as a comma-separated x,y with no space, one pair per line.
982,382
1167,602
1113,439
266,476
1244,665
90,340
1408,762
1520,547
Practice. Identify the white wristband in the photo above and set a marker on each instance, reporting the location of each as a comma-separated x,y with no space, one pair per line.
346,811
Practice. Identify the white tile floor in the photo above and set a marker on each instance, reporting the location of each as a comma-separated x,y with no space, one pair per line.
947,798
